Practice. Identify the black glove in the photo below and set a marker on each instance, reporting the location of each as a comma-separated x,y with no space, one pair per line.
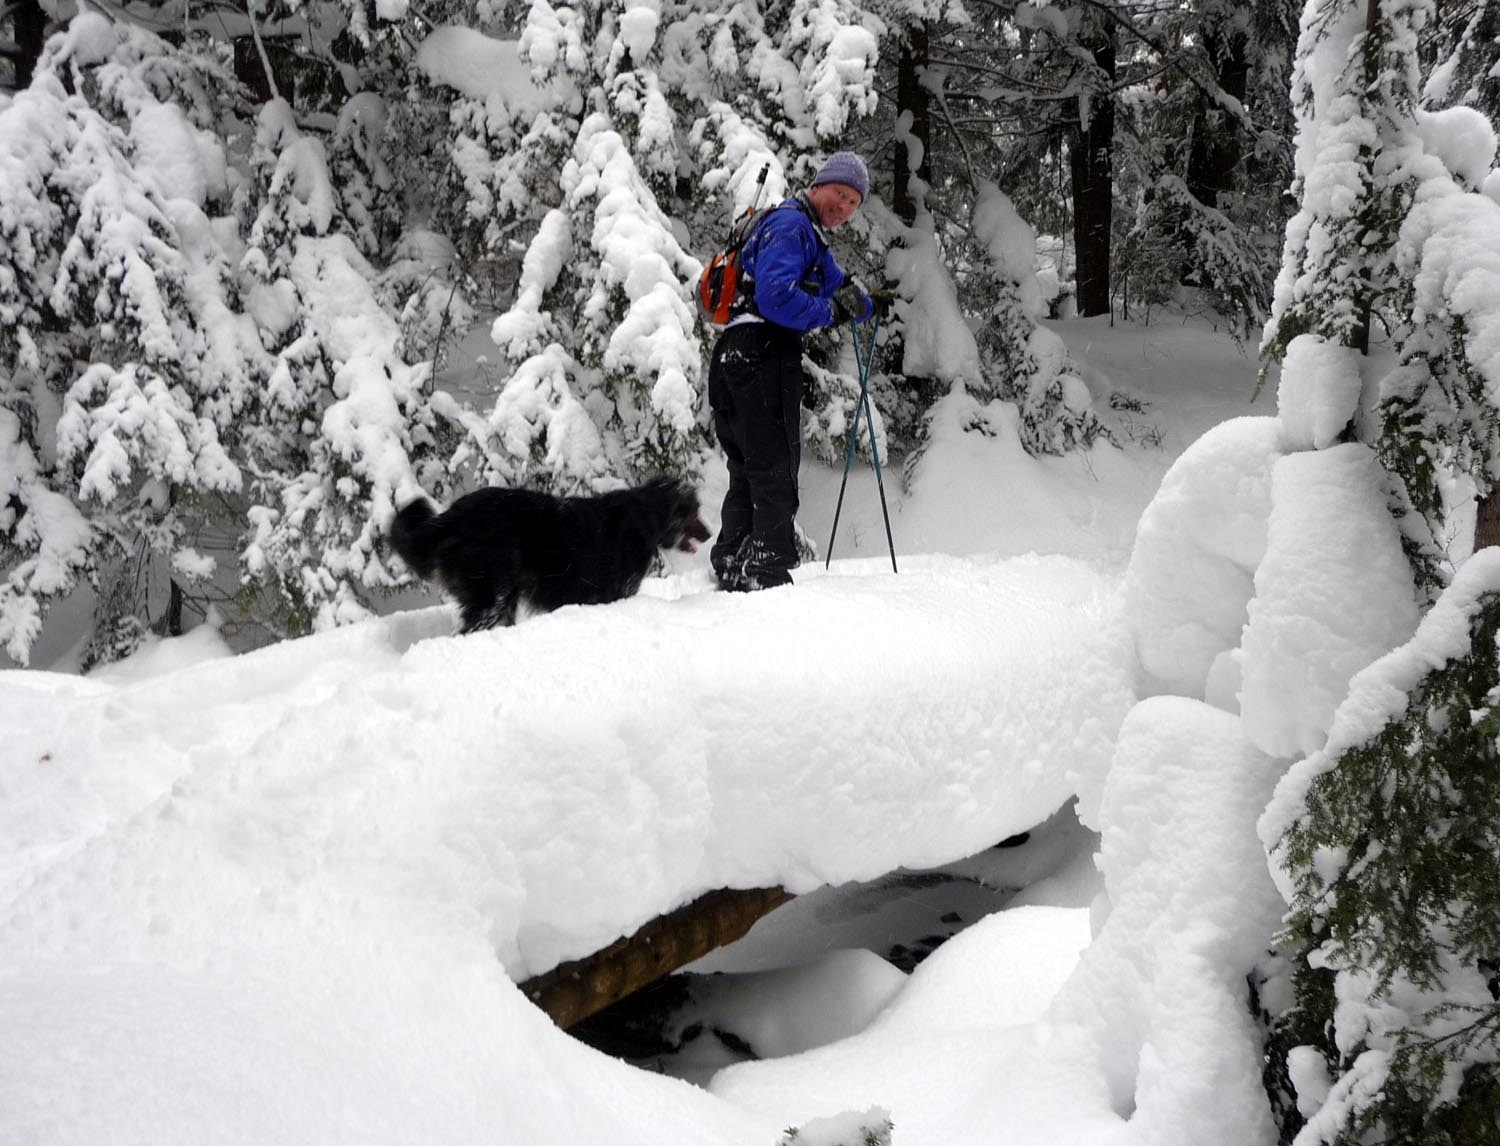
851,303
885,302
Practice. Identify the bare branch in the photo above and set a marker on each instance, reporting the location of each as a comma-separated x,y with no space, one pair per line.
260,48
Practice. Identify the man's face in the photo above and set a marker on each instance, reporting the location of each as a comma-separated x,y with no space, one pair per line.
835,203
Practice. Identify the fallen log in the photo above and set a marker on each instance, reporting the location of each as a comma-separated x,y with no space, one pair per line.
573,991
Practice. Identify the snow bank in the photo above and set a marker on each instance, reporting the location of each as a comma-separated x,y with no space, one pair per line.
548,805
1380,693
1333,593
1191,574
287,876
1161,996
1035,1036
960,1017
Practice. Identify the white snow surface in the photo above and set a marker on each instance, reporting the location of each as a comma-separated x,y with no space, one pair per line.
1191,574
286,896
1320,387
1333,592
480,67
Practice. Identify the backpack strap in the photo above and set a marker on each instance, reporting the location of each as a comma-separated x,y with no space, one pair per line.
745,297
799,202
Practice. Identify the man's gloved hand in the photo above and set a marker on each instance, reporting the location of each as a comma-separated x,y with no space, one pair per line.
885,302
851,303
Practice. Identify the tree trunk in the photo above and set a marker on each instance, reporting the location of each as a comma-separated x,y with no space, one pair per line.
1487,524
30,34
173,618
1362,286
912,97
1217,145
1090,159
573,991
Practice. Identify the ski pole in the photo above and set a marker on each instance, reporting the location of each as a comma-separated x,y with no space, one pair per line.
874,446
760,189
848,461
885,512
864,358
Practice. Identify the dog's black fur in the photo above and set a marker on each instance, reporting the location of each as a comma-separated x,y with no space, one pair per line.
495,548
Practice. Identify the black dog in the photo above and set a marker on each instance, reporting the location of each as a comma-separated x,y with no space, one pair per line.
495,548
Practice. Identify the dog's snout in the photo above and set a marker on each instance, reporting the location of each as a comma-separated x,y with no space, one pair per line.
692,530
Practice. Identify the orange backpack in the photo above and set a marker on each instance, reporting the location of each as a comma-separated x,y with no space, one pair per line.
721,286
723,281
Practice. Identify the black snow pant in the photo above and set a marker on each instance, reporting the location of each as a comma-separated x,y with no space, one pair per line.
755,392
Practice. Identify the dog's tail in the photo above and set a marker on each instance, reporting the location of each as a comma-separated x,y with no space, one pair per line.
415,535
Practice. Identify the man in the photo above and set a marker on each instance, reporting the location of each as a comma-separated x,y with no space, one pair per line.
791,284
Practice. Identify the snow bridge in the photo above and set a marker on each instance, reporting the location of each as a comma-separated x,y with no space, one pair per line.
595,796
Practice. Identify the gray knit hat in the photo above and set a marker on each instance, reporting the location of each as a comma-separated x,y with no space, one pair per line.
847,168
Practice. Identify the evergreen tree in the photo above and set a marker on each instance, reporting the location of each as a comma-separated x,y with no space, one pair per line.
105,322
1355,90
366,185
1023,362
1437,416
1385,837
333,437
1467,44
160,367
496,173
1394,867
1207,159
640,105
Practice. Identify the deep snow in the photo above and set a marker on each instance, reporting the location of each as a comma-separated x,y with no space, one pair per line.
285,896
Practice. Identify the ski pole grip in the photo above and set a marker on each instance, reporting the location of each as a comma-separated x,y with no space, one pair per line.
760,187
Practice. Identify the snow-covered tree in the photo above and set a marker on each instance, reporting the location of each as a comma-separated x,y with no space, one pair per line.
633,108
334,436
503,143
1389,1031
1204,157
117,412
359,169
1354,90
1468,40
1003,355
1439,409
1024,362
1366,152
1392,865
190,397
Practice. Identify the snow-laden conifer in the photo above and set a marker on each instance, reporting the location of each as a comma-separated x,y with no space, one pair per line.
1007,356
108,365
1439,409
366,185
334,436
1382,836
1024,362
598,163
1465,75
1354,91
1202,160
1390,236
504,142
1386,843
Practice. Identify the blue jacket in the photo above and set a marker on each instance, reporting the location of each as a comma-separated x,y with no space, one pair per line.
794,271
